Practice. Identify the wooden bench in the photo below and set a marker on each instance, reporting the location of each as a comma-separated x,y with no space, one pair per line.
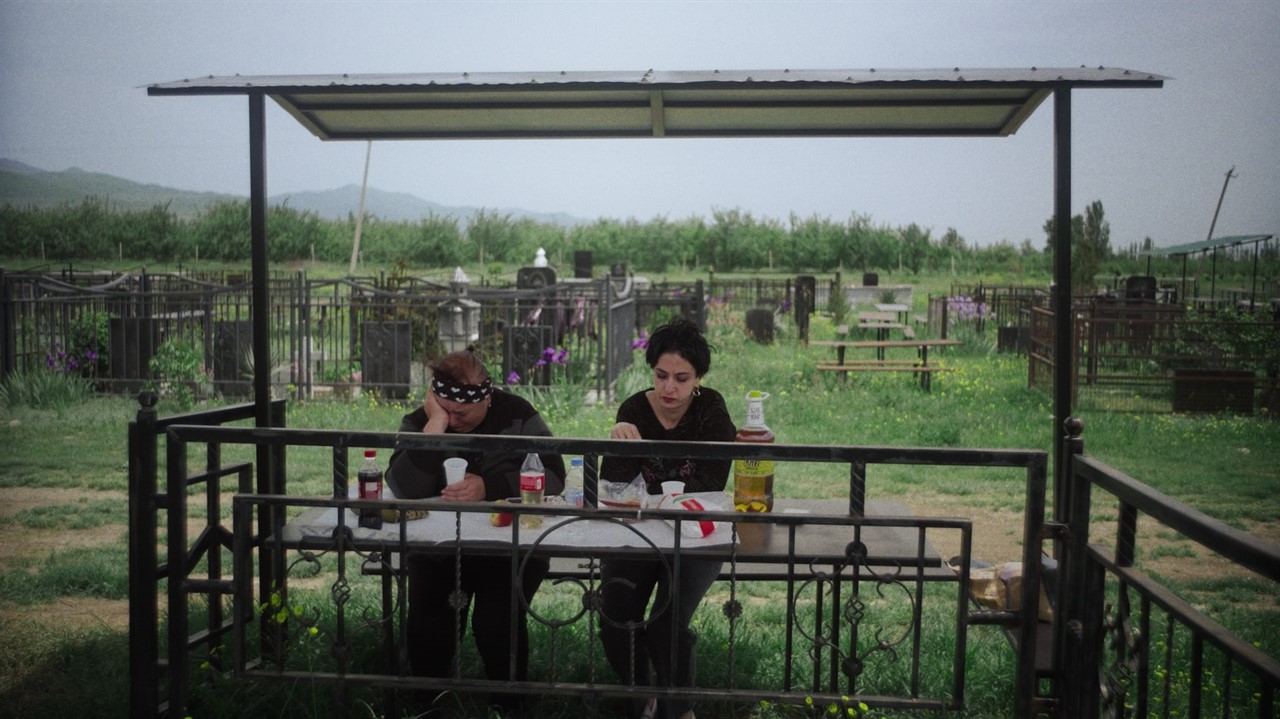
854,364
920,365
924,372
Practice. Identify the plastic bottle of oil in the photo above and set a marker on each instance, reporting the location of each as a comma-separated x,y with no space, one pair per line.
753,478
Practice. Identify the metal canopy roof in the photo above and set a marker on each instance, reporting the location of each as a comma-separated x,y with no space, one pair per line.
738,103
1192,248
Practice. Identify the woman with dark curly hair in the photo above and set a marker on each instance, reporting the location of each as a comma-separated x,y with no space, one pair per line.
678,408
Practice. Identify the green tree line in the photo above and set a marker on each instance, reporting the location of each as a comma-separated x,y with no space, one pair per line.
731,240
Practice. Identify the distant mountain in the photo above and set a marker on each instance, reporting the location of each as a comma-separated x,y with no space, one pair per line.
25,186
22,185
342,202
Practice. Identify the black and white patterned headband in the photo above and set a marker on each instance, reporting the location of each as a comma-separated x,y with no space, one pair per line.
458,392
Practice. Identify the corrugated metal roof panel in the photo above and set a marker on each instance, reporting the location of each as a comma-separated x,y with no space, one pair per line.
1192,248
240,84
731,103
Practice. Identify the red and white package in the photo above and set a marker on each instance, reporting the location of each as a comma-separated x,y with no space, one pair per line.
693,530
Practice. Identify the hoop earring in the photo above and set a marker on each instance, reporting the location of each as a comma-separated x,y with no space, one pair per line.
697,391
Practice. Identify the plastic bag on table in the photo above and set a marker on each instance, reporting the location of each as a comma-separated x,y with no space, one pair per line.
689,528
624,495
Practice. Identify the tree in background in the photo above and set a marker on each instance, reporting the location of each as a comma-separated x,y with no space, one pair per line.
1094,246
915,247
492,236
735,241
948,248
1090,245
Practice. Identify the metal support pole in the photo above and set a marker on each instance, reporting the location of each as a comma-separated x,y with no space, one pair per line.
8,328
144,634
258,251
1213,276
266,464
1063,351
1253,285
1076,680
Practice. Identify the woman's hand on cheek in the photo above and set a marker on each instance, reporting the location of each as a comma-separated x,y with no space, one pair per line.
437,418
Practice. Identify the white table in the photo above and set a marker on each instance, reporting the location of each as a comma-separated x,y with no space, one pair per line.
766,547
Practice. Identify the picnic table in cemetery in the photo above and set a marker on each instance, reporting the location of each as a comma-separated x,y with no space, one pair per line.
898,309
918,366
884,322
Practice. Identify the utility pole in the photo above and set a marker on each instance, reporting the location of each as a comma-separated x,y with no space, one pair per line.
1230,174
1216,210
364,186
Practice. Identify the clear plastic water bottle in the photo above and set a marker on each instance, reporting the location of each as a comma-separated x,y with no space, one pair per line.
573,483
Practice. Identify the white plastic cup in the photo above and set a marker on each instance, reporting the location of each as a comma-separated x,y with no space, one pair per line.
670,490
454,470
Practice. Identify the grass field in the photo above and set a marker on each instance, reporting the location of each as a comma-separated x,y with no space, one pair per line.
63,593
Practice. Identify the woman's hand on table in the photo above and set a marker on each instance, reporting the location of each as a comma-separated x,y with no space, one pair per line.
624,430
470,489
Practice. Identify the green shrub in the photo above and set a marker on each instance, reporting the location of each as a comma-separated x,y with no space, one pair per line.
178,371
45,389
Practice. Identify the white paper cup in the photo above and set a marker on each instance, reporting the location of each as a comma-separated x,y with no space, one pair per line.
454,470
672,487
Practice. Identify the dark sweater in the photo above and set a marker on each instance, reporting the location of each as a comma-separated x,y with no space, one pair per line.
707,420
414,474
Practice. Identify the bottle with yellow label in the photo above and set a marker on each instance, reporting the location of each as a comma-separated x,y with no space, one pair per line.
753,478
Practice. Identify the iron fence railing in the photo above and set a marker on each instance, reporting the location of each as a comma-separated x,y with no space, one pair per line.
1141,356
325,336
1121,642
1157,654
839,643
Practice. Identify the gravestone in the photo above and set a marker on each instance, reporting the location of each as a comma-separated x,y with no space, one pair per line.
233,357
520,354
386,358
760,325
1213,390
806,292
583,264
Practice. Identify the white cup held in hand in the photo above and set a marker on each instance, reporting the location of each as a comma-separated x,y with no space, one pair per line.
454,470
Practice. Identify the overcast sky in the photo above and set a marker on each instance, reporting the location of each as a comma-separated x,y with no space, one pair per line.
73,78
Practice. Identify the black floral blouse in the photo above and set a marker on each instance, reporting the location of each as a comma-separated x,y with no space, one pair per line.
707,420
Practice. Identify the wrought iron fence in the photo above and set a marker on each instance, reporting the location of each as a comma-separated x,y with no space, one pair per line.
1006,307
1121,642
325,336
1144,356
109,332
843,641
1157,654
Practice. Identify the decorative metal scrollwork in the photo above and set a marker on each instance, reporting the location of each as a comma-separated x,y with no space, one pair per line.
853,611
1125,645
294,624
592,594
